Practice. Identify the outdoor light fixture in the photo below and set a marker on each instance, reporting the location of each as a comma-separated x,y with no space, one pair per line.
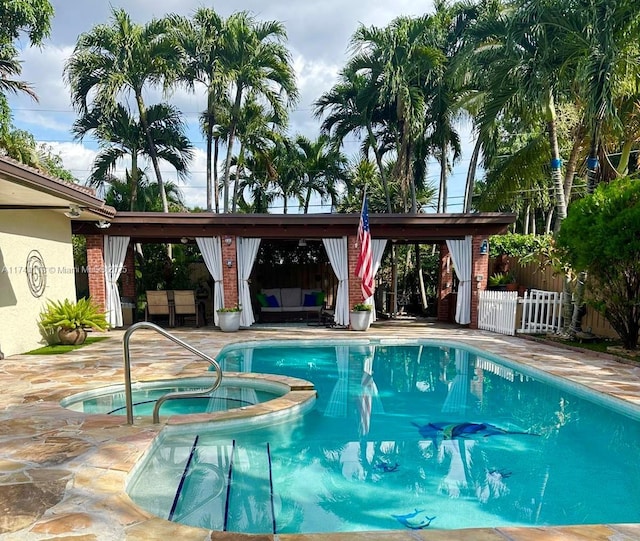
484,247
229,263
103,224
228,240
302,242
73,212
184,240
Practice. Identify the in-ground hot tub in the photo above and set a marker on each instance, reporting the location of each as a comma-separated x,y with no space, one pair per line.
234,392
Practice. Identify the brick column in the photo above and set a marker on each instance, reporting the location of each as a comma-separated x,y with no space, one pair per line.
355,291
229,274
95,270
479,276
128,275
444,283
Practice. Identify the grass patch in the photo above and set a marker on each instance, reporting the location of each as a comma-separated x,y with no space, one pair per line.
599,345
57,349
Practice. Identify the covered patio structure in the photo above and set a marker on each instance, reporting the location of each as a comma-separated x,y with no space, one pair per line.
229,244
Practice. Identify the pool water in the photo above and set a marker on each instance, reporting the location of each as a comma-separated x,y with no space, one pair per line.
403,436
111,400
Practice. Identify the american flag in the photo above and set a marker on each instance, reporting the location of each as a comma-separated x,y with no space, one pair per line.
364,266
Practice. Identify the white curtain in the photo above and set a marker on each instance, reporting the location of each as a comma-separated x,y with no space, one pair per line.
337,252
460,251
248,393
458,388
115,250
337,406
377,251
211,251
246,251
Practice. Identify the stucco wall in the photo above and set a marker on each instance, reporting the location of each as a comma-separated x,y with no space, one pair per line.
21,233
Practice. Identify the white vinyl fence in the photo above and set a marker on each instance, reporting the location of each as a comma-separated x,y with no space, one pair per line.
497,311
541,311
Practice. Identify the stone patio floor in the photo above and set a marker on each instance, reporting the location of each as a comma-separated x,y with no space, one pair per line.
62,473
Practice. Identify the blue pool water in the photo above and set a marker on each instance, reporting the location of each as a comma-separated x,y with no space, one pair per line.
402,436
231,394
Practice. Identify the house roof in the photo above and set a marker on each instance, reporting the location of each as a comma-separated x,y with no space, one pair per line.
26,188
161,227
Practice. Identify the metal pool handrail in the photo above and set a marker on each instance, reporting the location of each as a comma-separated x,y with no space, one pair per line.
168,396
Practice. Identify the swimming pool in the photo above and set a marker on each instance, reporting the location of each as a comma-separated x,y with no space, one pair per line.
404,435
232,393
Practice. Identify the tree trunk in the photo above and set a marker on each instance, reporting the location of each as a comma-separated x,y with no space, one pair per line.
134,181
442,196
423,293
556,162
383,176
623,165
394,281
209,160
592,176
471,175
216,150
237,179
152,152
230,140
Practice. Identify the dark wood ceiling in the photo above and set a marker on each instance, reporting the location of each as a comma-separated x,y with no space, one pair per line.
161,227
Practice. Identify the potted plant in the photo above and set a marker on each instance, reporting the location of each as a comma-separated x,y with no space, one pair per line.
360,318
503,281
70,320
229,318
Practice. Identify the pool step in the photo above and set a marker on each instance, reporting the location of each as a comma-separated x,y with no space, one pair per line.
200,498
250,508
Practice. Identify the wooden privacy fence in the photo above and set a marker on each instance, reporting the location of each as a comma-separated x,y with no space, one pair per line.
537,311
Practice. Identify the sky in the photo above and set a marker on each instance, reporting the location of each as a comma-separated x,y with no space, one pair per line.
318,38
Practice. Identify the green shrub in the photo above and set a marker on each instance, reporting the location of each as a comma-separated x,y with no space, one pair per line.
72,315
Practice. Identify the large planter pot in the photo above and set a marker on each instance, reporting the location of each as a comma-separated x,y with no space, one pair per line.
360,320
72,337
229,321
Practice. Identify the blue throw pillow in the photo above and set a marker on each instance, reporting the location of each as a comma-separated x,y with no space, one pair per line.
309,299
272,301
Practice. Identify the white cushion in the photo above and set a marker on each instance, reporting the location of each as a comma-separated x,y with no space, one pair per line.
290,297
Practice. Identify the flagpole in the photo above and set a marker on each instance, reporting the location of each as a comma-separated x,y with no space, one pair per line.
364,198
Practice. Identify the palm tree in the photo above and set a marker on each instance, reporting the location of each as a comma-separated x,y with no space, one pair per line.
9,68
523,59
257,131
257,180
255,60
119,59
200,39
323,167
599,49
121,136
353,106
288,164
405,58
118,194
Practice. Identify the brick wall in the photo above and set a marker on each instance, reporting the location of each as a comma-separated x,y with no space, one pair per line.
128,275
229,274
355,291
444,284
479,276
95,270
479,268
